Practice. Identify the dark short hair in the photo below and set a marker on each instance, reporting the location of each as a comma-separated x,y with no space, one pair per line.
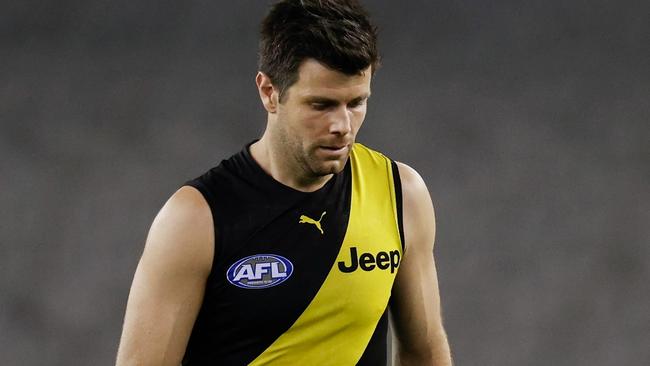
337,33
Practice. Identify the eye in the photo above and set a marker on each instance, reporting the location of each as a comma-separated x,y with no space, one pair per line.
321,106
357,103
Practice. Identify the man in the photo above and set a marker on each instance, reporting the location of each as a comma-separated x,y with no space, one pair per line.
292,251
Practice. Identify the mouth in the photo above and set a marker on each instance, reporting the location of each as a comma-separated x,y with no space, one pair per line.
334,151
335,148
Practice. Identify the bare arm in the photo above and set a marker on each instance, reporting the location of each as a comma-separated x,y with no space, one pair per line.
169,283
415,307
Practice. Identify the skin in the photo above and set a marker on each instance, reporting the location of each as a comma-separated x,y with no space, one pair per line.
307,140
420,338
169,282
309,136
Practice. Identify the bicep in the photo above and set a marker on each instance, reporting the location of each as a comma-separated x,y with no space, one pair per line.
169,282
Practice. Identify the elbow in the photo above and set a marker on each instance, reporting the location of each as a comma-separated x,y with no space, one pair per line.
428,358
436,352
406,358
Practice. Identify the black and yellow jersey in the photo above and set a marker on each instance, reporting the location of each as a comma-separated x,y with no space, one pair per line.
299,278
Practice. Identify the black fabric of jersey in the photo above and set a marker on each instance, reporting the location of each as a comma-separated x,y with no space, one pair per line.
255,214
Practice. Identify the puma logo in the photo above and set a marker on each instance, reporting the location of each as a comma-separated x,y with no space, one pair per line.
308,220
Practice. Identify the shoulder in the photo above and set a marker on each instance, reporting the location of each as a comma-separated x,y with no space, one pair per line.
418,212
414,189
411,180
187,209
183,230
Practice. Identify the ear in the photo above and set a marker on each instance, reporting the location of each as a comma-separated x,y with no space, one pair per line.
268,93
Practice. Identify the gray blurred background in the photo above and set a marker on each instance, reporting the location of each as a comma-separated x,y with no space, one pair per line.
529,121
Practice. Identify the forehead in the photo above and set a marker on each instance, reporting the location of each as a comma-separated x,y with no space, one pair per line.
316,79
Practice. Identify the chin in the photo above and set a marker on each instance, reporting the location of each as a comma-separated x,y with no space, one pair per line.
331,167
325,165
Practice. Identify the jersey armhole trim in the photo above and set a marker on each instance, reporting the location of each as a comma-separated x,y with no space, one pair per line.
398,202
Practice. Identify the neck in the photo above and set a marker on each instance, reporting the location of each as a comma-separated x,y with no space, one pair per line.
280,165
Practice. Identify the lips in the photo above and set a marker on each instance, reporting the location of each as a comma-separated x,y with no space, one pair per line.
334,148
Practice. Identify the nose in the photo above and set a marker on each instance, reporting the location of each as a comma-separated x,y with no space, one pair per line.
341,123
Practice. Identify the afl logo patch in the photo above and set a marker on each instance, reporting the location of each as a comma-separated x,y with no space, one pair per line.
260,271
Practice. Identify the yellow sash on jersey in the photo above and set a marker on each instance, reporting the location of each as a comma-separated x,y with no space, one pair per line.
337,325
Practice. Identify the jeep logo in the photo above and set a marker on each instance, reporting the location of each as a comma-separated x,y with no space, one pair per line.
368,262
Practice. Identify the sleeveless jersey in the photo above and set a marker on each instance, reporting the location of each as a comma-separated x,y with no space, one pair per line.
299,278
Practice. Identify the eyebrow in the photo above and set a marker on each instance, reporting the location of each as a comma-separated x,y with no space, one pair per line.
320,99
